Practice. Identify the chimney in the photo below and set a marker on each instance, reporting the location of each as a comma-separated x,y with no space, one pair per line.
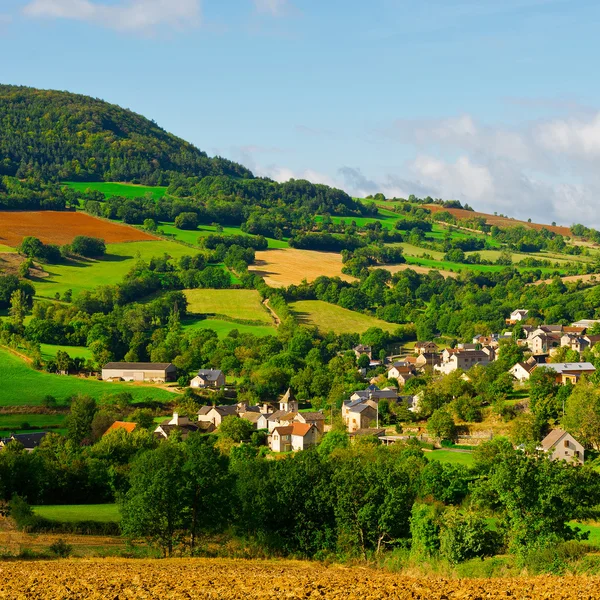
175,419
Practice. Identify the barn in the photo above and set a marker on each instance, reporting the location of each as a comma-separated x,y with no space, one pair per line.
124,371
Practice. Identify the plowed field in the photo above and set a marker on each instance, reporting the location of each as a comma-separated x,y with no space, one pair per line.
227,579
53,227
460,213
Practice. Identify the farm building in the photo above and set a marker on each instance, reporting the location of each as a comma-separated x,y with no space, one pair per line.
561,445
207,378
124,371
124,425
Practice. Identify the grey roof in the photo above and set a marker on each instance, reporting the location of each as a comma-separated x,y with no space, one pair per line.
29,440
276,415
361,408
139,365
209,374
567,367
313,416
368,431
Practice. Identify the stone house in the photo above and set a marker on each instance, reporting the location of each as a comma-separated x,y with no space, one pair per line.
208,378
298,436
561,445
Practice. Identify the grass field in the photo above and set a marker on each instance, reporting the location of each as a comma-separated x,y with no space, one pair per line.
127,190
104,513
15,422
223,328
289,266
22,385
191,237
330,317
88,274
453,457
237,304
50,350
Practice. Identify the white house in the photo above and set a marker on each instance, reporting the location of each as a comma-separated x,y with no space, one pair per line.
561,445
522,370
298,436
208,378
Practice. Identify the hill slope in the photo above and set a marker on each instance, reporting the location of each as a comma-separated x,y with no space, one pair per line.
52,134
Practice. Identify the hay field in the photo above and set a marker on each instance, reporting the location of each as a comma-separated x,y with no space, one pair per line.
56,227
289,266
226,579
236,304
417,269
330,317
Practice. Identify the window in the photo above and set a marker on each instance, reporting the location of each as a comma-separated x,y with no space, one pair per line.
566,443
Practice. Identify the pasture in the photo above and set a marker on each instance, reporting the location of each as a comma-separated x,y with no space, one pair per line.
126,190
22,385
237,304
224,328
105,513
290,266
49,351
79,275
454,457
330,317
15,422
56,227
192,236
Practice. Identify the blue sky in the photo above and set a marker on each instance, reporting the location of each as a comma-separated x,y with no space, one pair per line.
493,102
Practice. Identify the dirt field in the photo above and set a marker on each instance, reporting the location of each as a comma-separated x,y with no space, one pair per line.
499,221
289,266
227,579
593,277
53,227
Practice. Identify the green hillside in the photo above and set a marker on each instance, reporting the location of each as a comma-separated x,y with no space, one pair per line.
53,134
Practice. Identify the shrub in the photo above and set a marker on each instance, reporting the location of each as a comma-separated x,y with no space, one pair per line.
556,558
84,245
186,220
61,549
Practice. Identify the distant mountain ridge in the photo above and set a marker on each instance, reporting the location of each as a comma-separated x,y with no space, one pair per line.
59,135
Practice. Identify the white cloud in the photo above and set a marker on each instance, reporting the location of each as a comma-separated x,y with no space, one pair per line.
276,8
573,137
128,15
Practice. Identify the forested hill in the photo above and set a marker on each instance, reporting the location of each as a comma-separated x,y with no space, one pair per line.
59,135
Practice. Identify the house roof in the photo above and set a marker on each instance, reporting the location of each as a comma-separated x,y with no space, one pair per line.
253,417
569,367
139,365
575,330
29,440
424,344
359,408
209,374
368,431
552,438
362,348
526,366
284,430
129,427
276,416
204,410
301,429
312,416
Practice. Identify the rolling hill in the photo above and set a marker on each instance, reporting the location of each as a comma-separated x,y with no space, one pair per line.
53,134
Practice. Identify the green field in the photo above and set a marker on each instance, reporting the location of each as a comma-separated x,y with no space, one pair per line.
105,513
191,237
453,457
7,249
49,351
236,304
330,317
22,385
223,328
127,190
118,261
37,422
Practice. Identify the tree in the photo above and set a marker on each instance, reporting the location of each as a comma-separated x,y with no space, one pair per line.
156,507
84,245
363,361
79,421
582,414
441,425
18,309
542,393
333,440
186,220
235,429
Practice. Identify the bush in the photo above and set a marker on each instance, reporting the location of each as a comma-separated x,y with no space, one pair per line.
556,558
425,529
84,245
186,220
61,549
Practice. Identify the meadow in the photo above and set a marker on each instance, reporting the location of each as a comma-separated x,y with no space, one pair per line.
79,275
126,190
454,457
104,513
22,385
330,317
49,351
236,304
36,422
224,328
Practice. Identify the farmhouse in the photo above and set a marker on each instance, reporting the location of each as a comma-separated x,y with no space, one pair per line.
298,436
312,418
425,347
453,359
124,425
571,372
561,445
29,441
362,349
359,414
124,371
517,315
401,371
216,414
180,424
208,378
522,370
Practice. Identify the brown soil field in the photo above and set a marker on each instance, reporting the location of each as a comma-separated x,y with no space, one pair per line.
417,269
289,266
496,220
214,579
54,227
11,261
